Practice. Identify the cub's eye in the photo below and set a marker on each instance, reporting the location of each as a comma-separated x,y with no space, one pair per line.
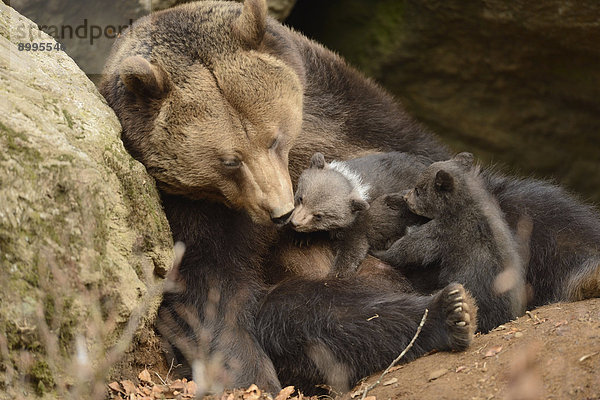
231,163
299,200
274,143
318,216
416,191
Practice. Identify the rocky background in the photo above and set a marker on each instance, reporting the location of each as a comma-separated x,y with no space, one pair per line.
83,240
515,82
87,28
84,243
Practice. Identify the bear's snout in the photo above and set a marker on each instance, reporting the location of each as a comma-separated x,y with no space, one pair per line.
282,219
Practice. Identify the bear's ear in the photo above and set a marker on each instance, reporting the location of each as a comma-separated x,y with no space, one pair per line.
143,78
444,182
251,25
464,159
395,201
317,161
357,204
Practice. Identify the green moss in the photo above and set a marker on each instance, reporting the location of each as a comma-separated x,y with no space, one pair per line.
68,118
12,132
68,325
19,338
372,30
12,144
49,309
41,377
66,157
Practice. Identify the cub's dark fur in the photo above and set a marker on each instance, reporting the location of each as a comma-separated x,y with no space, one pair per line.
304,352
563,261
467,236
347,199
556,237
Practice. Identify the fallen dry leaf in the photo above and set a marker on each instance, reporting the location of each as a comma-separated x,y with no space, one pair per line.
227,396
285,393
178,385
128,386
252,393
437,374
493,351
581,359
116,387
461,368
158,390
390,382
191,388
144,376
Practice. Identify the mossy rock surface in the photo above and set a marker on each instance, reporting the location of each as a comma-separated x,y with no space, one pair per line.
515,82
81,226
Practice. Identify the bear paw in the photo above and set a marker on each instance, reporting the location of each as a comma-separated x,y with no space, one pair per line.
459,311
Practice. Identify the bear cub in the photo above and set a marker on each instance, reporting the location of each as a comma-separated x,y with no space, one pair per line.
349,199
467,236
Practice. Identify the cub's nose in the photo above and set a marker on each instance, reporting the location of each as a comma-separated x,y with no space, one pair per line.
282,219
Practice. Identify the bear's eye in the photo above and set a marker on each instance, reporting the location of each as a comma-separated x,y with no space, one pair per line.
318,216
274,143
416,191
231,163
299,200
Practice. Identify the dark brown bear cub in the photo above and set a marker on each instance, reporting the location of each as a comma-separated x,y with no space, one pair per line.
347,199
467,236
494,233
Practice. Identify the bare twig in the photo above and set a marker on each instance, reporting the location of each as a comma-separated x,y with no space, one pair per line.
408,347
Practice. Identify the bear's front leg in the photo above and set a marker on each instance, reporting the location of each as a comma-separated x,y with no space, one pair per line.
216,333
417,247
337,331
351,251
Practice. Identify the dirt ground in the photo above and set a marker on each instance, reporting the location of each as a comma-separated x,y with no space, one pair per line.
553,352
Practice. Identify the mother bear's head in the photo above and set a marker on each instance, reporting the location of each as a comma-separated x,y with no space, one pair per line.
207,107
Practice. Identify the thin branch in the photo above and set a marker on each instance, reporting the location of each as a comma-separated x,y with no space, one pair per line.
408,347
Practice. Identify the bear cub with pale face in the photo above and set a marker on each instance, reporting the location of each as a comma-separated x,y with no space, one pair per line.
467,236
349,199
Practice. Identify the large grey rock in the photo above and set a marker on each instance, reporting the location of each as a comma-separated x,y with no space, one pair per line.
82,232
88,28
516,82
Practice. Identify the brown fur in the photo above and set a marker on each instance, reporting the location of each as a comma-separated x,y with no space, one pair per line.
224,108
585,284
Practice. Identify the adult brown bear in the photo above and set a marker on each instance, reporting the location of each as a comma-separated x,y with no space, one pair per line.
217,101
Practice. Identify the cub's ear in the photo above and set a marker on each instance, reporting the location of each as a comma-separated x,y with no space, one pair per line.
251,25
444,182
143,78
464,159
317,161
395,201
358,204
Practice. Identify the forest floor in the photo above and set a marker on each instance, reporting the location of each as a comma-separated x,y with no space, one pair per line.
552,352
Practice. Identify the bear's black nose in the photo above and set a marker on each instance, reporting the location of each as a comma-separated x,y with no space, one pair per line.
283,219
